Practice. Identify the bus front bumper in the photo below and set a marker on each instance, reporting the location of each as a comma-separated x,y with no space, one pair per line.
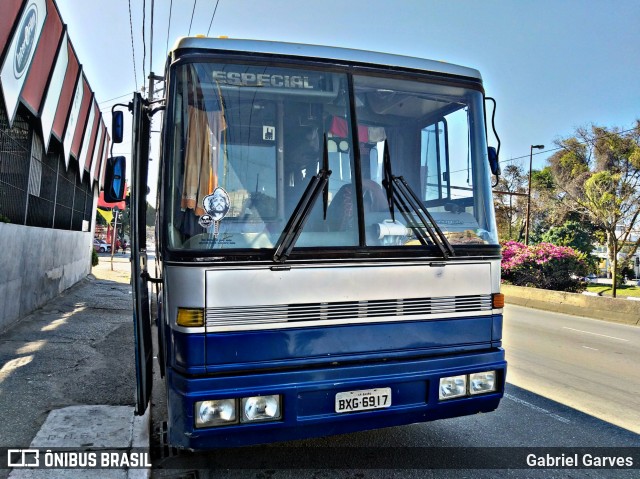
308,403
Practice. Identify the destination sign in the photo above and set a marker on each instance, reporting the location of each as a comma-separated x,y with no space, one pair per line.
270,79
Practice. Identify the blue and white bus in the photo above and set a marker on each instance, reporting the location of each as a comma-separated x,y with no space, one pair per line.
327,253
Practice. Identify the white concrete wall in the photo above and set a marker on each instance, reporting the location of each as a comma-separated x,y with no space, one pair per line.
37,264
597,307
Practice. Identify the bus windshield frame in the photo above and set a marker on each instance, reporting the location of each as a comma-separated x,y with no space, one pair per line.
243,138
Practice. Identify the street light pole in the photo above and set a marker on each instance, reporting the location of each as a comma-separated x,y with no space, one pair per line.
114,232
526,231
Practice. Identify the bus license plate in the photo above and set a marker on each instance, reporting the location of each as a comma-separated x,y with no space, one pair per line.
363,400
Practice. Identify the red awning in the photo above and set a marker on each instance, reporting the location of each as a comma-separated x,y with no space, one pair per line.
42,63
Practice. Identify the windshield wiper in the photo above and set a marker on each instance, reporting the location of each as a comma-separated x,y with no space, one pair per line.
400,194
319,183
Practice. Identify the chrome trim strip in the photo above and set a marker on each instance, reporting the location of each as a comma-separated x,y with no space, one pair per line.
334,322
305,315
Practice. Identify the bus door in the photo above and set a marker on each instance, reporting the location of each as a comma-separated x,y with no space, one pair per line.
139,273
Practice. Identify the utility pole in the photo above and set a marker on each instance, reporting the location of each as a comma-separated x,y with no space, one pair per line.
151,87
526,231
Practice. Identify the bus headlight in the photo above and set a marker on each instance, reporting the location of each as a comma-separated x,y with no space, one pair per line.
482,382
452,387
261,408
217,412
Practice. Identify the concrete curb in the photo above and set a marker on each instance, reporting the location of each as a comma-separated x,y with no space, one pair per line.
596,307
141,438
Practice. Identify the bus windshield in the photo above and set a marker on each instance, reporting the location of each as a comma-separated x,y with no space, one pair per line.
246,140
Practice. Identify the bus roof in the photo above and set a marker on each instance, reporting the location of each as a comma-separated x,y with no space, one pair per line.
326,52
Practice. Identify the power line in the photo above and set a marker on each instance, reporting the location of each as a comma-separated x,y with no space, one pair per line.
169,26
151,39
562,147
534,154
114,98
133,50
192,12
550,150
144,43
213,16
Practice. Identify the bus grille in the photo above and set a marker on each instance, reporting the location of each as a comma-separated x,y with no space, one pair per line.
347,310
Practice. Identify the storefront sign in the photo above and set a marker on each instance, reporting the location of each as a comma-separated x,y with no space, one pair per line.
20,53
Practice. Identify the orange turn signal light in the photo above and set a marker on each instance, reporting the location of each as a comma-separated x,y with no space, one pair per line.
190,317
497,300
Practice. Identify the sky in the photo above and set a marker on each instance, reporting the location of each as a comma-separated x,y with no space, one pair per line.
551,65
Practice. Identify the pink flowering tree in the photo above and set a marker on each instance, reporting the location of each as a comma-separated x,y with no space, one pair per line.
544,266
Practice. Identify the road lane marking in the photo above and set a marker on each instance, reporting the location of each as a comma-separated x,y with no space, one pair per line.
537,409
596,334
587,347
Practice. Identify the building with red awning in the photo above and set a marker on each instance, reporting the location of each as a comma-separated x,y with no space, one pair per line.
53,145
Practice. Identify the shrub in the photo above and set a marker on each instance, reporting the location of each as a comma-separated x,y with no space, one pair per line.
94,257
544,266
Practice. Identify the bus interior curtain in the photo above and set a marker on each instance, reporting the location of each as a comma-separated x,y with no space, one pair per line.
204,134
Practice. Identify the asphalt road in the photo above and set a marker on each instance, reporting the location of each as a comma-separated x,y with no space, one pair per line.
524,423
565,391
586,364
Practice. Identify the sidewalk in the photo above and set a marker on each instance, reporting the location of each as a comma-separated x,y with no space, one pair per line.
67,374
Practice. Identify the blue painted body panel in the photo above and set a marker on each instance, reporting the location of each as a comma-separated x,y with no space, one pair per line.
187,352
496,333
309,366
280,348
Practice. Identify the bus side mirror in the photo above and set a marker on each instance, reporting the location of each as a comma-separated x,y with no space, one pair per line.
494,163
117,126
114,179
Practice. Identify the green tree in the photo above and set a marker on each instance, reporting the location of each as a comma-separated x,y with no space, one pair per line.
598,174
578,235
546,209
151,215
510,202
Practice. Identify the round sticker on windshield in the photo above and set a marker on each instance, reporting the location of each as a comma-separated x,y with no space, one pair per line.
217,206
